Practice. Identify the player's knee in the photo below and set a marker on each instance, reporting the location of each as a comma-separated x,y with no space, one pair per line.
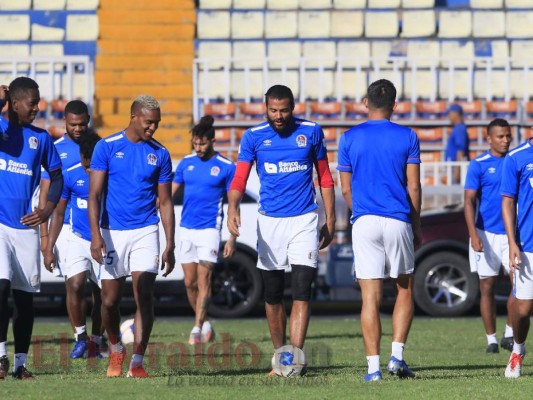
190,283
273,286
76,286
302,278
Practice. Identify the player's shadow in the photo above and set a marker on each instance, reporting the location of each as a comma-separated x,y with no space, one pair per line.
335,336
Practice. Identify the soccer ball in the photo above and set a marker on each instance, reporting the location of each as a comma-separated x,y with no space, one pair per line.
126,331
289,361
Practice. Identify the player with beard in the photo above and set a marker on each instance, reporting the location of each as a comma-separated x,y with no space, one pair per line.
285,149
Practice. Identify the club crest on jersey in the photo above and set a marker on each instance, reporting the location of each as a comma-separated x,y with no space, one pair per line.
301,140
33,142
152,159
215,171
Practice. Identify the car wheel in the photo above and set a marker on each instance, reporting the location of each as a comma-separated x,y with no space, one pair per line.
444,285
236,287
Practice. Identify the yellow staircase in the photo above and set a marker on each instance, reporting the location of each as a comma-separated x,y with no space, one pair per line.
146,47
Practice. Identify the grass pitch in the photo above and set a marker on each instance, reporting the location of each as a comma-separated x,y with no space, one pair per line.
448,356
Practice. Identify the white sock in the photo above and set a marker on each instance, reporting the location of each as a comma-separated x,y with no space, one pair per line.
492,339
196,329
80,330
508,331
116,348
206,327
96,339
519,348
373,363
20,359
397,350
3,349
136,359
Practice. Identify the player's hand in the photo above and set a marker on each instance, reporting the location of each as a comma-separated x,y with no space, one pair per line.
37,217
229,248
98,249
49,259
234,222
476,243
44,243
168,261
417,236
514,256
326,234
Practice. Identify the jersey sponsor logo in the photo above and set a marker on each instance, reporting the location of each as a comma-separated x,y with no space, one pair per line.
492,170
301,140
284,167
152,159
15,167
80,182
215,171
271,168
33,142
119,154
529,167
81,203
63,155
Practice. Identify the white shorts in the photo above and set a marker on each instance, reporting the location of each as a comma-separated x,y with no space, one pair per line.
382,247
78,259
134,250
495,253
198,244
60,250
20,258
287,241
523,278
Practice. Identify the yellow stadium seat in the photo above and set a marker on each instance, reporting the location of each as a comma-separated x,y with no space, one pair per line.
382,24
247,25
213,25
281,24
455,24
314,24
418,23
346,24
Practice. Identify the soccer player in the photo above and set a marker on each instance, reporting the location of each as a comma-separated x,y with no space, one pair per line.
517,191
457,146
488,243
206,176
285,149
380,177
24,148
129,172
78,264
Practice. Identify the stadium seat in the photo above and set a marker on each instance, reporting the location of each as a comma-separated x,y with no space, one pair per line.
14,27
498,50
488,24
80,83
394,76
455,24
402,110
223,136
252,110
82,5
42,33
383,24
460,81
354,53
282,4
220,110
430,156
475,134
350,4
247,25
314,4
249,4
380,51
247,86
58,107
216,53
284,53
423,53
9,5
522,84
325,110
47,50
346,24
215,4
213,25
355,110
418,3
431,109
460,53
49,4
418,23
281,24
56,130
319,53
289,78
489,86
353,85
213,85
518,3
14,50
330,136
318,86
424,85
486,4
471,109
248,54
82,27
522,53
384,3
313,24
529,110
300,110
429,135
519,24
502,109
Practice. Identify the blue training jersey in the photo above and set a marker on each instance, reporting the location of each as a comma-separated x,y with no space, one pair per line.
76,192
69,153
517,182
205,182
377,152
284,164
484,175
134,171
457,141
23,150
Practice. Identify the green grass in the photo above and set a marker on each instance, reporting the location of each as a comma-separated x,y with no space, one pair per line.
446,354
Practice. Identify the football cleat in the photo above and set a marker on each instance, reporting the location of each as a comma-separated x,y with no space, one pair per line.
114,369
373,377
93,351
208,336
507,343
22,373
195,338
399,368
514,366
80,347
4,367
492,348
137,372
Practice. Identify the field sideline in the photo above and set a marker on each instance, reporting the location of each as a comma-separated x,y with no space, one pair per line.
446,354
